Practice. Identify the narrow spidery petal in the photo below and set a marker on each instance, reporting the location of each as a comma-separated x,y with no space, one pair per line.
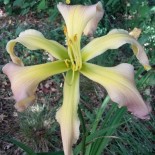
92,24
35,40
24,80
67,114
77,17
113,40
119,83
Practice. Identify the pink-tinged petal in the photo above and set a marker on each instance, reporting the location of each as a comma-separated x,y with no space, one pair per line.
67,114
77,17
24,80
92,24
113,40
34,40
119,83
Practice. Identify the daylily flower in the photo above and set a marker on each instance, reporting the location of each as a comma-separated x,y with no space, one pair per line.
118,80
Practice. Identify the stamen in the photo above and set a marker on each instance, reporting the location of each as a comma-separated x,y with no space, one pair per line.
67,62
74,53
70,53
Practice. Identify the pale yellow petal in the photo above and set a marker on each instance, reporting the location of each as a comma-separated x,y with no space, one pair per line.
92,24
113,40
77,17
119,83
24,80
34,40
67,114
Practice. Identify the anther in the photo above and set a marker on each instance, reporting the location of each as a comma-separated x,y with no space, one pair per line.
67,62
75,37
65,30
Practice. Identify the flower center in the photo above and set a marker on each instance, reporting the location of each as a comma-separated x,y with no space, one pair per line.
74,53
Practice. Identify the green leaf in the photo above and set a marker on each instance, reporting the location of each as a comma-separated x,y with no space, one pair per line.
25,5
112,2
25,11
53,14
42,5
18,3
98,118
83,129
51,153
112,120
144,11
151,80
19,30
27,149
